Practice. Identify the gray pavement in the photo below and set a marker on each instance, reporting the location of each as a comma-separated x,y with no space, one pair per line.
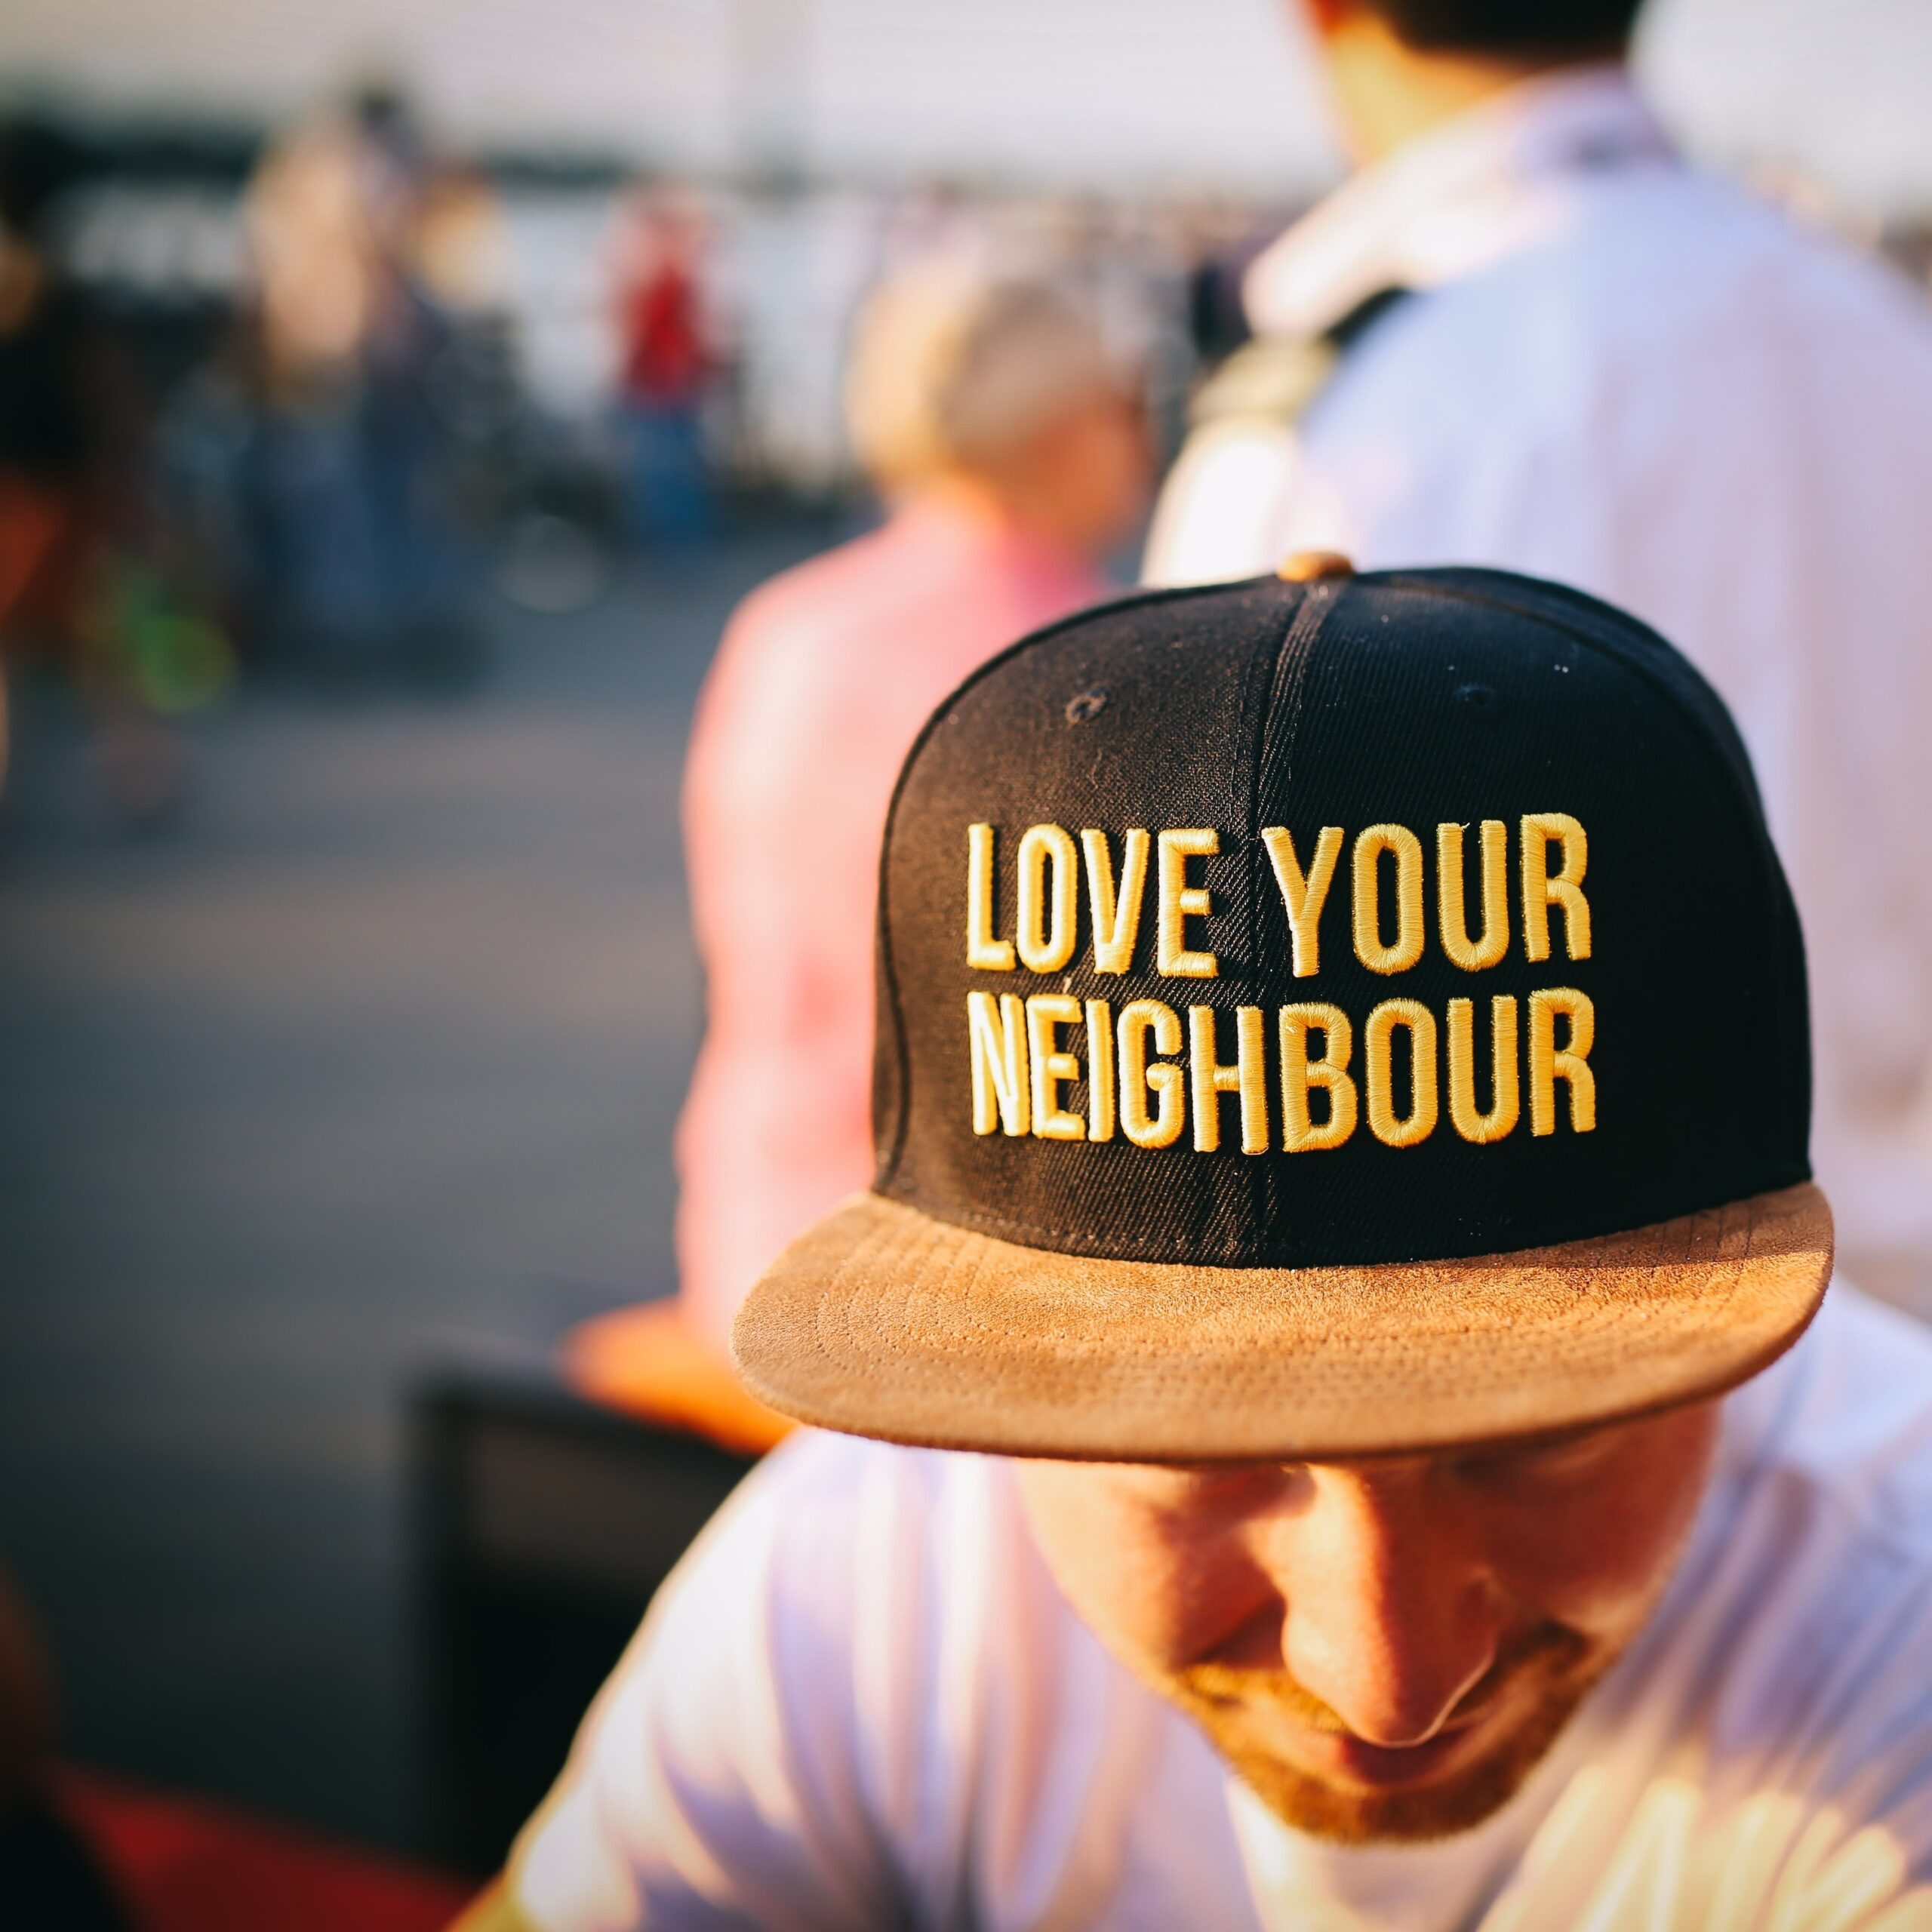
372,1062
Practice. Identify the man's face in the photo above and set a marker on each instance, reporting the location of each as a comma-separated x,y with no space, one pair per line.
1382,1649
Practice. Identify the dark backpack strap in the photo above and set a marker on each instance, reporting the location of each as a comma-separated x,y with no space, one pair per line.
1272,379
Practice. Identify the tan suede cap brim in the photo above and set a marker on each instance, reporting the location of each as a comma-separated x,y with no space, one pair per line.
881,1321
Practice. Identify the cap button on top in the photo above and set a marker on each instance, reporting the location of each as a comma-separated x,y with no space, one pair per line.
1314,566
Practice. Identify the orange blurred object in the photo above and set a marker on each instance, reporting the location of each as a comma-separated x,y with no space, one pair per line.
651,1362
36,526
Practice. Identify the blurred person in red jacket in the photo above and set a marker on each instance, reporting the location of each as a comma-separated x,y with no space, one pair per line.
1014,456
665,370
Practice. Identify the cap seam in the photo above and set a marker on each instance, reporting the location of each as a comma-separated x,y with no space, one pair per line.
1292,656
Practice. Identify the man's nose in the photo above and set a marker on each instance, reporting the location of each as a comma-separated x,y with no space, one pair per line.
1391,1614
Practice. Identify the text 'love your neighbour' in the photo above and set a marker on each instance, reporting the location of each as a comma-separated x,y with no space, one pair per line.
1139,1085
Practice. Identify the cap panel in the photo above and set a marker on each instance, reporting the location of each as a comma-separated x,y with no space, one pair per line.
1627,639
1414,715
890,1061
1062,733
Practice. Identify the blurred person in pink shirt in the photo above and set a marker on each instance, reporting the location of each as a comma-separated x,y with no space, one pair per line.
1013,457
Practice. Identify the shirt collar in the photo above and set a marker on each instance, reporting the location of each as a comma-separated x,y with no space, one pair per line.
1459,198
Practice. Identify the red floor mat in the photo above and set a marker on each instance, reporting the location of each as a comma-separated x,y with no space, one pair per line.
183,1865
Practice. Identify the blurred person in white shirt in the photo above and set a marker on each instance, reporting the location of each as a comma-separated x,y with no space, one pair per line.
1527,333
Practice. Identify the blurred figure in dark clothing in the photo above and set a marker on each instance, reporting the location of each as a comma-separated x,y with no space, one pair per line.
354,564
80,584
1216,324
48,1876
46,453
83,1852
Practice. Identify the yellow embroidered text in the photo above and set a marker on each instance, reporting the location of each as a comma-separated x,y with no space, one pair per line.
1550,1063
1304,894
1001,1078
1048,898
984,953
1473,956
1301,1076
1046,1014
1180,902
1116,909
1099,1070
1248,1077
1139,1077
1506,1099
1393,1129
1542,889
1406,949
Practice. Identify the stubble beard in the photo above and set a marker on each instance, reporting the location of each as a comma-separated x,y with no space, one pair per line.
1456,1802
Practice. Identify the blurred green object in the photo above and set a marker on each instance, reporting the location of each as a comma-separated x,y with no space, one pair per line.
152,647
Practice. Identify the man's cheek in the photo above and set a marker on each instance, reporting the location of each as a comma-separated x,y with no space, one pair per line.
1170,1607
1593,1582
1114,1574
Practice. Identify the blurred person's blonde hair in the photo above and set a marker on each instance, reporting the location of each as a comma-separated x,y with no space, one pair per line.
315,252
954,367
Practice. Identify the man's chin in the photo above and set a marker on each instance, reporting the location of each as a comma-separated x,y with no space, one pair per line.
1375,1804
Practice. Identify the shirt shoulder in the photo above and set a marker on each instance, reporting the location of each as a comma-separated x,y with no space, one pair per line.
752,1760
1662,290
1811,1600
790,627
828,1532
883,626
1762,1760
1857,1429
1671,359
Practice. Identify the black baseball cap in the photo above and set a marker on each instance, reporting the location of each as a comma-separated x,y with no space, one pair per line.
1328,1014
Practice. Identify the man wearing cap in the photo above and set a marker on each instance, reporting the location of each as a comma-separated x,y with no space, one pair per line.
1527,333
1341,1100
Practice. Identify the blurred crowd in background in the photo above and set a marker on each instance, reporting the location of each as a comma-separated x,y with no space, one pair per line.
276,408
